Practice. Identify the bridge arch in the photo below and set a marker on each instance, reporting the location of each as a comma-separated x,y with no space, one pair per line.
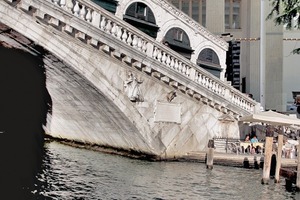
209,60
142,17
178,40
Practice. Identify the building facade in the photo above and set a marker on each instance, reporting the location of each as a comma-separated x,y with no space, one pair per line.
241,19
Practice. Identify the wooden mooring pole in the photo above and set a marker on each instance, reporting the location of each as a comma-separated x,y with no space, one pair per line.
279,155
210,155
268,154
298,166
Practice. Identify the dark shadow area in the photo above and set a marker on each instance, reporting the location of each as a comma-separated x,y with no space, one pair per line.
24,103
273,166
246,163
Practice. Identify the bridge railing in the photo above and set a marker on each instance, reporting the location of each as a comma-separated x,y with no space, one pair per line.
121,30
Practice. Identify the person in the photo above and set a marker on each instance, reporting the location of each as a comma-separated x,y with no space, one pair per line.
254,139
252,149
247,138
251,96
297,103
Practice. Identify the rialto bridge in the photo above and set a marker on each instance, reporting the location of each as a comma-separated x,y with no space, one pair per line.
135,79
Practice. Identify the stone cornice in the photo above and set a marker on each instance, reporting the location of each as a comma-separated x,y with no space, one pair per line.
191,23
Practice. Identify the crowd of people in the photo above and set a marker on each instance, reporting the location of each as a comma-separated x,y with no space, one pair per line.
252,147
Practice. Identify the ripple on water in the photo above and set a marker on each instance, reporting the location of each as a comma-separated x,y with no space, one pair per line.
73,173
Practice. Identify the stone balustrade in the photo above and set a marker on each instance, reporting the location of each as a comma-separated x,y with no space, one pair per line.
122,31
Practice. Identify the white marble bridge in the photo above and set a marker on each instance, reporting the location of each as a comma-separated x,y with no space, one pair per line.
113,85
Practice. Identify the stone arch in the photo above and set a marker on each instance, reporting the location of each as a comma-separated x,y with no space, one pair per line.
142,17
209,60
178,40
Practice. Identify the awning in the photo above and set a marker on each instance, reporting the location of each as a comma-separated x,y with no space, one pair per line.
271,118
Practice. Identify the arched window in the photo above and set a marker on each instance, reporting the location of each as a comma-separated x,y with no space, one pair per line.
110,5
209,60
178,40
141,16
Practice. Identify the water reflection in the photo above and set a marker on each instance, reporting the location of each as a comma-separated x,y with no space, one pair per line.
73,173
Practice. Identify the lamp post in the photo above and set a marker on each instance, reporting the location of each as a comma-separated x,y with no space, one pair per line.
262,68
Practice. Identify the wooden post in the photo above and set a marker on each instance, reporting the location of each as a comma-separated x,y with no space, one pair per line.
268,154
279,154
210,155
298,166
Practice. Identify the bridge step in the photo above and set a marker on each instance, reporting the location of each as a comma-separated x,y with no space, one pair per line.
224,144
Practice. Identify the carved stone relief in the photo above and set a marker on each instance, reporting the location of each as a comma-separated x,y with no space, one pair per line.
132,88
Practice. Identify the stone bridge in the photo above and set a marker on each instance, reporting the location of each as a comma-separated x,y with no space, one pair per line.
114,86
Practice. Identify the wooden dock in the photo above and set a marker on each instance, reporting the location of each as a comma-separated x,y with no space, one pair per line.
236,160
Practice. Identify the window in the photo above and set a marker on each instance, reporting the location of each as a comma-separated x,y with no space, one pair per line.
141,11
196,9
178,40
141,16
232,14
178,35
209,56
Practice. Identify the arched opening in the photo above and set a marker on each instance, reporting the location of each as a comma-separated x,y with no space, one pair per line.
178,40
209,60
109,5
141,16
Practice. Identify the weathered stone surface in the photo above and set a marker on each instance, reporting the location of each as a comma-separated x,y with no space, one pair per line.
90,105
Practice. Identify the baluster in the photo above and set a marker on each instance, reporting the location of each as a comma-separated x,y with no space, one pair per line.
164,57
139,45
108,26
62,3
209,83
144,47
124,36
200,78
114,29
196,76
203,80
217,88
232,97
135,41
82,12
155,52
172,62
76,9
180,66
89,15
206,82
102,24
119,33
176,65
129,39
183,68
159,56
223,91
56,2
70,5
213,86
168,61
188,71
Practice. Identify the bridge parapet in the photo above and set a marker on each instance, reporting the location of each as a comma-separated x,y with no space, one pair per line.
100,22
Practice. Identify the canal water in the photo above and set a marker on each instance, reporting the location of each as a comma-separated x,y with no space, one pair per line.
75,173
65,172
